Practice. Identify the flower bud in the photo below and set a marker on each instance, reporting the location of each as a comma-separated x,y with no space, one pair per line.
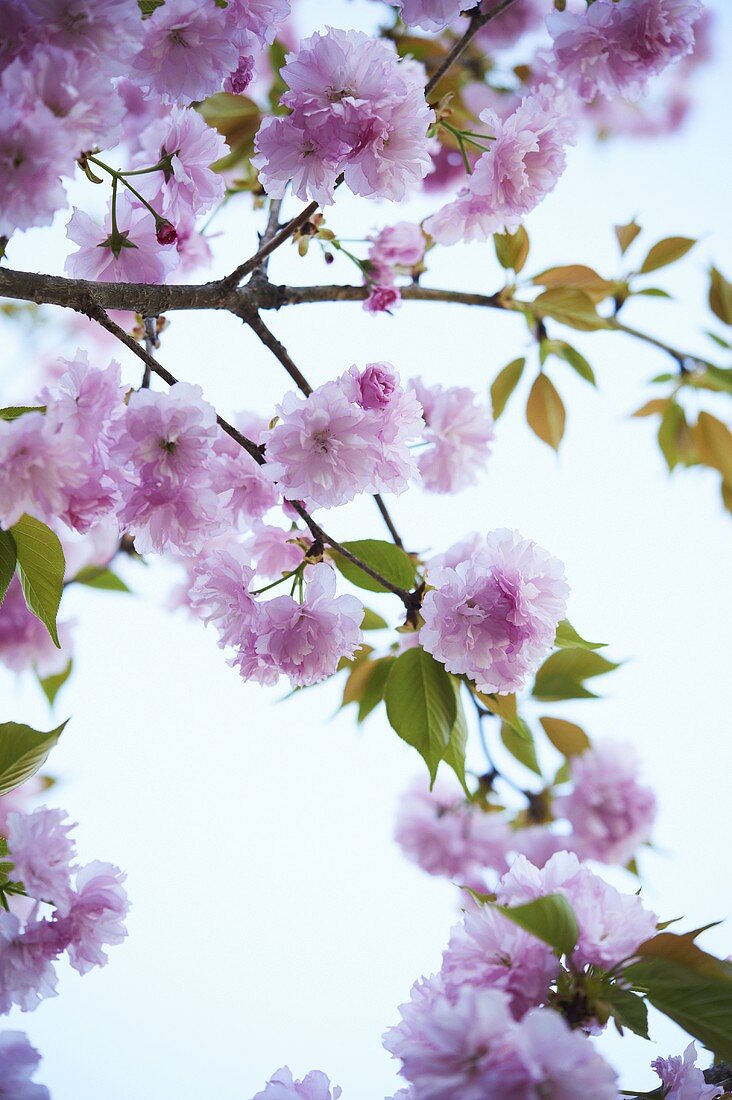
165,232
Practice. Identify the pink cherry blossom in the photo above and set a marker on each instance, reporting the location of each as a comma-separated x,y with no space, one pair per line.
245,491
524,162
220,593
610,811
304,641
34,154
507,28
27,975
25,643
459,432
467,1046
488,950
382,299
445,835
42,853
314,1086
274,550
109,30
398,246
356,109
132,256
432,15
494,616
188,185
18,1063
681,1079
564,1063
188,48
94,921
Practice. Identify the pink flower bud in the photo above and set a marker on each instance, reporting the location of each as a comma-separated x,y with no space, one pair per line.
165,232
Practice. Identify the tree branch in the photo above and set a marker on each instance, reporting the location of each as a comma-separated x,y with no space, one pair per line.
269,246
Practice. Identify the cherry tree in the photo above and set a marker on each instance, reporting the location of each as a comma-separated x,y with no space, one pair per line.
155,116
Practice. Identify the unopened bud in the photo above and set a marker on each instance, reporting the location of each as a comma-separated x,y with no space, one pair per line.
165,232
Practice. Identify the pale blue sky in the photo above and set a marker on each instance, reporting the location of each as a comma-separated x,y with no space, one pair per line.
273,919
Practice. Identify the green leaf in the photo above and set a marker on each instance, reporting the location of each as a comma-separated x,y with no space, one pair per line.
576,277
652,292
522,750
578,362
421,705
455,755
7,562
689,986
372,621
99,577
673,423
719,341
504,384
627,1009
505,707
563,674
567,738
14,411
720,296
568,638
22,752
571,307
373,691
666,252
545,413
51,685
626,234
549,918
512,249
40,566
383,557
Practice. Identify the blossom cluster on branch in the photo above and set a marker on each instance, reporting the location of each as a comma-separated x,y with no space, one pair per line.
170,109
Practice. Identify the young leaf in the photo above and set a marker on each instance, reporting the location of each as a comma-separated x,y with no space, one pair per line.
578,362
720,296
567,738
373,691
654,407
372,621
666,252
545,412
504,706
421,705
670,433
568,638
549,918
563,674
522,750
627,1009
512,249
688,985
504,384
12,412
22,752
383,557
455,755
576,277
626,234
7,562
40,566
714,443
570,306
51,685
98,577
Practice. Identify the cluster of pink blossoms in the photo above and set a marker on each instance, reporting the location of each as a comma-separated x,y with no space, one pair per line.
610,814
356,110
616,46
493,616
64,92
482,1027
314,1086
88,907
396,250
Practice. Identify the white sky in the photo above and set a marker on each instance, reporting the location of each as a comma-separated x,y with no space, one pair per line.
274,920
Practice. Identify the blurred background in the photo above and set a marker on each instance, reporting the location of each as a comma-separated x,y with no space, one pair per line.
274,921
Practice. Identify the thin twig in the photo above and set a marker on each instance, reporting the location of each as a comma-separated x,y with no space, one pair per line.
152,342
265,250
477,22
